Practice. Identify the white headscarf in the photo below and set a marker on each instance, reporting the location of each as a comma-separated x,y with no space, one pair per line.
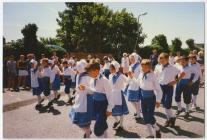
135,55
81,65
34,62
116,65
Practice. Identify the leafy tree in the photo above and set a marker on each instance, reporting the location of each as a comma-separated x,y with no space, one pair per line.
160,42
176,45
30,38
52,41
191,44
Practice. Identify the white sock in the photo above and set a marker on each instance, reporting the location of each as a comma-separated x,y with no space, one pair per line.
138,104
156,127
49,98
116,118
194,99
150,129
69,96
134,105
169,113
55,93
38,99
87,131
187,107
121,120
179,106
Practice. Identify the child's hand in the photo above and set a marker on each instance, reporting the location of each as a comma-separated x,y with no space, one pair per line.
157,104
190,83
108,114
130,74
82,87
172,83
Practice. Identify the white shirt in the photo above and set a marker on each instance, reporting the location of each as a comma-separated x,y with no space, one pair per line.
55,70
188,70
68,71
81,97
103,85
119,86
34,78
167,74
136,71
47,72
150,83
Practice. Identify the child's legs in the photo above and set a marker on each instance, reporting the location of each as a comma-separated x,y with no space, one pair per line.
24,81
195,90
87,131
187,97
19,81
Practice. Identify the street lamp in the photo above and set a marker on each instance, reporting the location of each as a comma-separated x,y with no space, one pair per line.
143,14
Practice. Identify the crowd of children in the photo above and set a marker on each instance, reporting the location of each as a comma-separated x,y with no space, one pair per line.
100,89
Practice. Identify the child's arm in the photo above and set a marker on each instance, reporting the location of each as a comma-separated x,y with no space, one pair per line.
157,89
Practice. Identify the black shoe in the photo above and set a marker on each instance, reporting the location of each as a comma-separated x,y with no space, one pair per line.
120,128
38,106
186,115
50,104
167,123
84,136
178,112
172,121
58,97
135,114
116,124
158,134
74,92
150,137
70,101
138,119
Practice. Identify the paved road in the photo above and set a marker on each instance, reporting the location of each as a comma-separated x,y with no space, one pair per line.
22,120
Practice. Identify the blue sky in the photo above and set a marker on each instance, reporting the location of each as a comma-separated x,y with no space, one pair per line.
183,20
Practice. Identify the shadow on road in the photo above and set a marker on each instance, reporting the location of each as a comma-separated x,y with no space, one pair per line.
46,109
179,131
126,134
60,103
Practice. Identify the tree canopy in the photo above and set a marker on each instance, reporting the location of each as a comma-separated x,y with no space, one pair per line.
93,27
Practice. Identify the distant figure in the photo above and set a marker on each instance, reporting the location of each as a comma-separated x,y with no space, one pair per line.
12,73
171,58
154,58
125,63
22,71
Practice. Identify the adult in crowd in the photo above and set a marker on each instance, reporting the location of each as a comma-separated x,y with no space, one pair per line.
22,71
154,58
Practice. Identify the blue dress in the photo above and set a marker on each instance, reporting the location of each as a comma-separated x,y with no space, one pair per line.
83,119
56,83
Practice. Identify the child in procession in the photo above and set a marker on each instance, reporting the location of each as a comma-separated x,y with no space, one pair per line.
151,95
118,82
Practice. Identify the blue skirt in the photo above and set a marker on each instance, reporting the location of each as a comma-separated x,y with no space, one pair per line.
36,91
56,83
133,95
120,110
83,119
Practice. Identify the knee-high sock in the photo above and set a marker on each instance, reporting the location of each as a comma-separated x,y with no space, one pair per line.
150,129
87,131
38,99
156,127
69,96
138,108
134,105
187,107
55,93
49,98
179,105
194,97
169,113
121,120
116,118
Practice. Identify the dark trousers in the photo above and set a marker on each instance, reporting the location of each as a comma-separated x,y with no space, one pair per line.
100,108
167,96
46,86
67,85
195,87
148,108
186,90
